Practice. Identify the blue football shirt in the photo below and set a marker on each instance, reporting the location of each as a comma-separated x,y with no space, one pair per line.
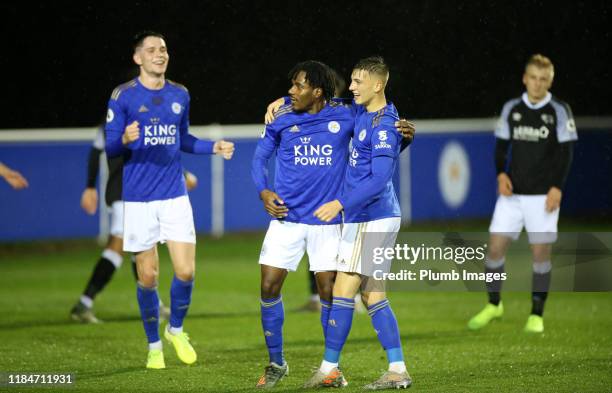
311,158
152,164
374,135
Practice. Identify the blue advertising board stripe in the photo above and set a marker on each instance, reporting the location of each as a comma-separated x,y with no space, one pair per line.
450,175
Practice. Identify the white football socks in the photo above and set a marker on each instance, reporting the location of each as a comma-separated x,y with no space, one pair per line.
397,367
326,366
86,301
175,330
155,345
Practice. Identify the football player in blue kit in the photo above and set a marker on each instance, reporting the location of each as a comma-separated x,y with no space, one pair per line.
370,208
311,136
148,123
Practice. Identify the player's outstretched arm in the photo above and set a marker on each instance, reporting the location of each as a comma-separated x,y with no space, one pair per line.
13,178
89,200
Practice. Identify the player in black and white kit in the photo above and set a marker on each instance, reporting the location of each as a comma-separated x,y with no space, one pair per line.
112,255
535,134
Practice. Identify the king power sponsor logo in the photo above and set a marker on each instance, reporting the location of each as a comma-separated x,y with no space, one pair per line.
160,134
317,155
526,133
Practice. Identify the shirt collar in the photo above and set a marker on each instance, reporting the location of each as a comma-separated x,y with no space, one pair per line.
538,105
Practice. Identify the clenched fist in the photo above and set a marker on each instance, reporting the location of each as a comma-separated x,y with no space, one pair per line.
89,200
131,133
224,148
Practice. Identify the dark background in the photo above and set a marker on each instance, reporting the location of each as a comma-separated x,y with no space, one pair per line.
447,58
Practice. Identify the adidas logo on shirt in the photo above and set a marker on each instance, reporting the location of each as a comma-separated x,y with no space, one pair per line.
143,109
295,129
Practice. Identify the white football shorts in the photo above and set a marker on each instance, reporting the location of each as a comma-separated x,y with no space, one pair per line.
286,242
359,240
147,223
513,212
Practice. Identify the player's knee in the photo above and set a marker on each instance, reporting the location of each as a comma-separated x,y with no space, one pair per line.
148,277
540,252
270,288
325,286
326,292
186,273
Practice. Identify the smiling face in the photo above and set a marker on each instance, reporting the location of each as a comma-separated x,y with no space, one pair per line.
152,56
303,96
363,86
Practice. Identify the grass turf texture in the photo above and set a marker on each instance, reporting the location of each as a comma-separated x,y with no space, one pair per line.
40,283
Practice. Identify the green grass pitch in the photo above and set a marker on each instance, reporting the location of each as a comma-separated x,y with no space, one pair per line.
39,284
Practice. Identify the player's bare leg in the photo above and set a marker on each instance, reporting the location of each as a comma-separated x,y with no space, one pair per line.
183,259
541,282
325,284
498,246
541,253
182,255
496,258
116,244
272,279
147,266
347,284
272,319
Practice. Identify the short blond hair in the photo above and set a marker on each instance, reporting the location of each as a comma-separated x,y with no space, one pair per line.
540,61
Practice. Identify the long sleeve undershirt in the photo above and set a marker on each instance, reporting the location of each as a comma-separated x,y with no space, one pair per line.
382,170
